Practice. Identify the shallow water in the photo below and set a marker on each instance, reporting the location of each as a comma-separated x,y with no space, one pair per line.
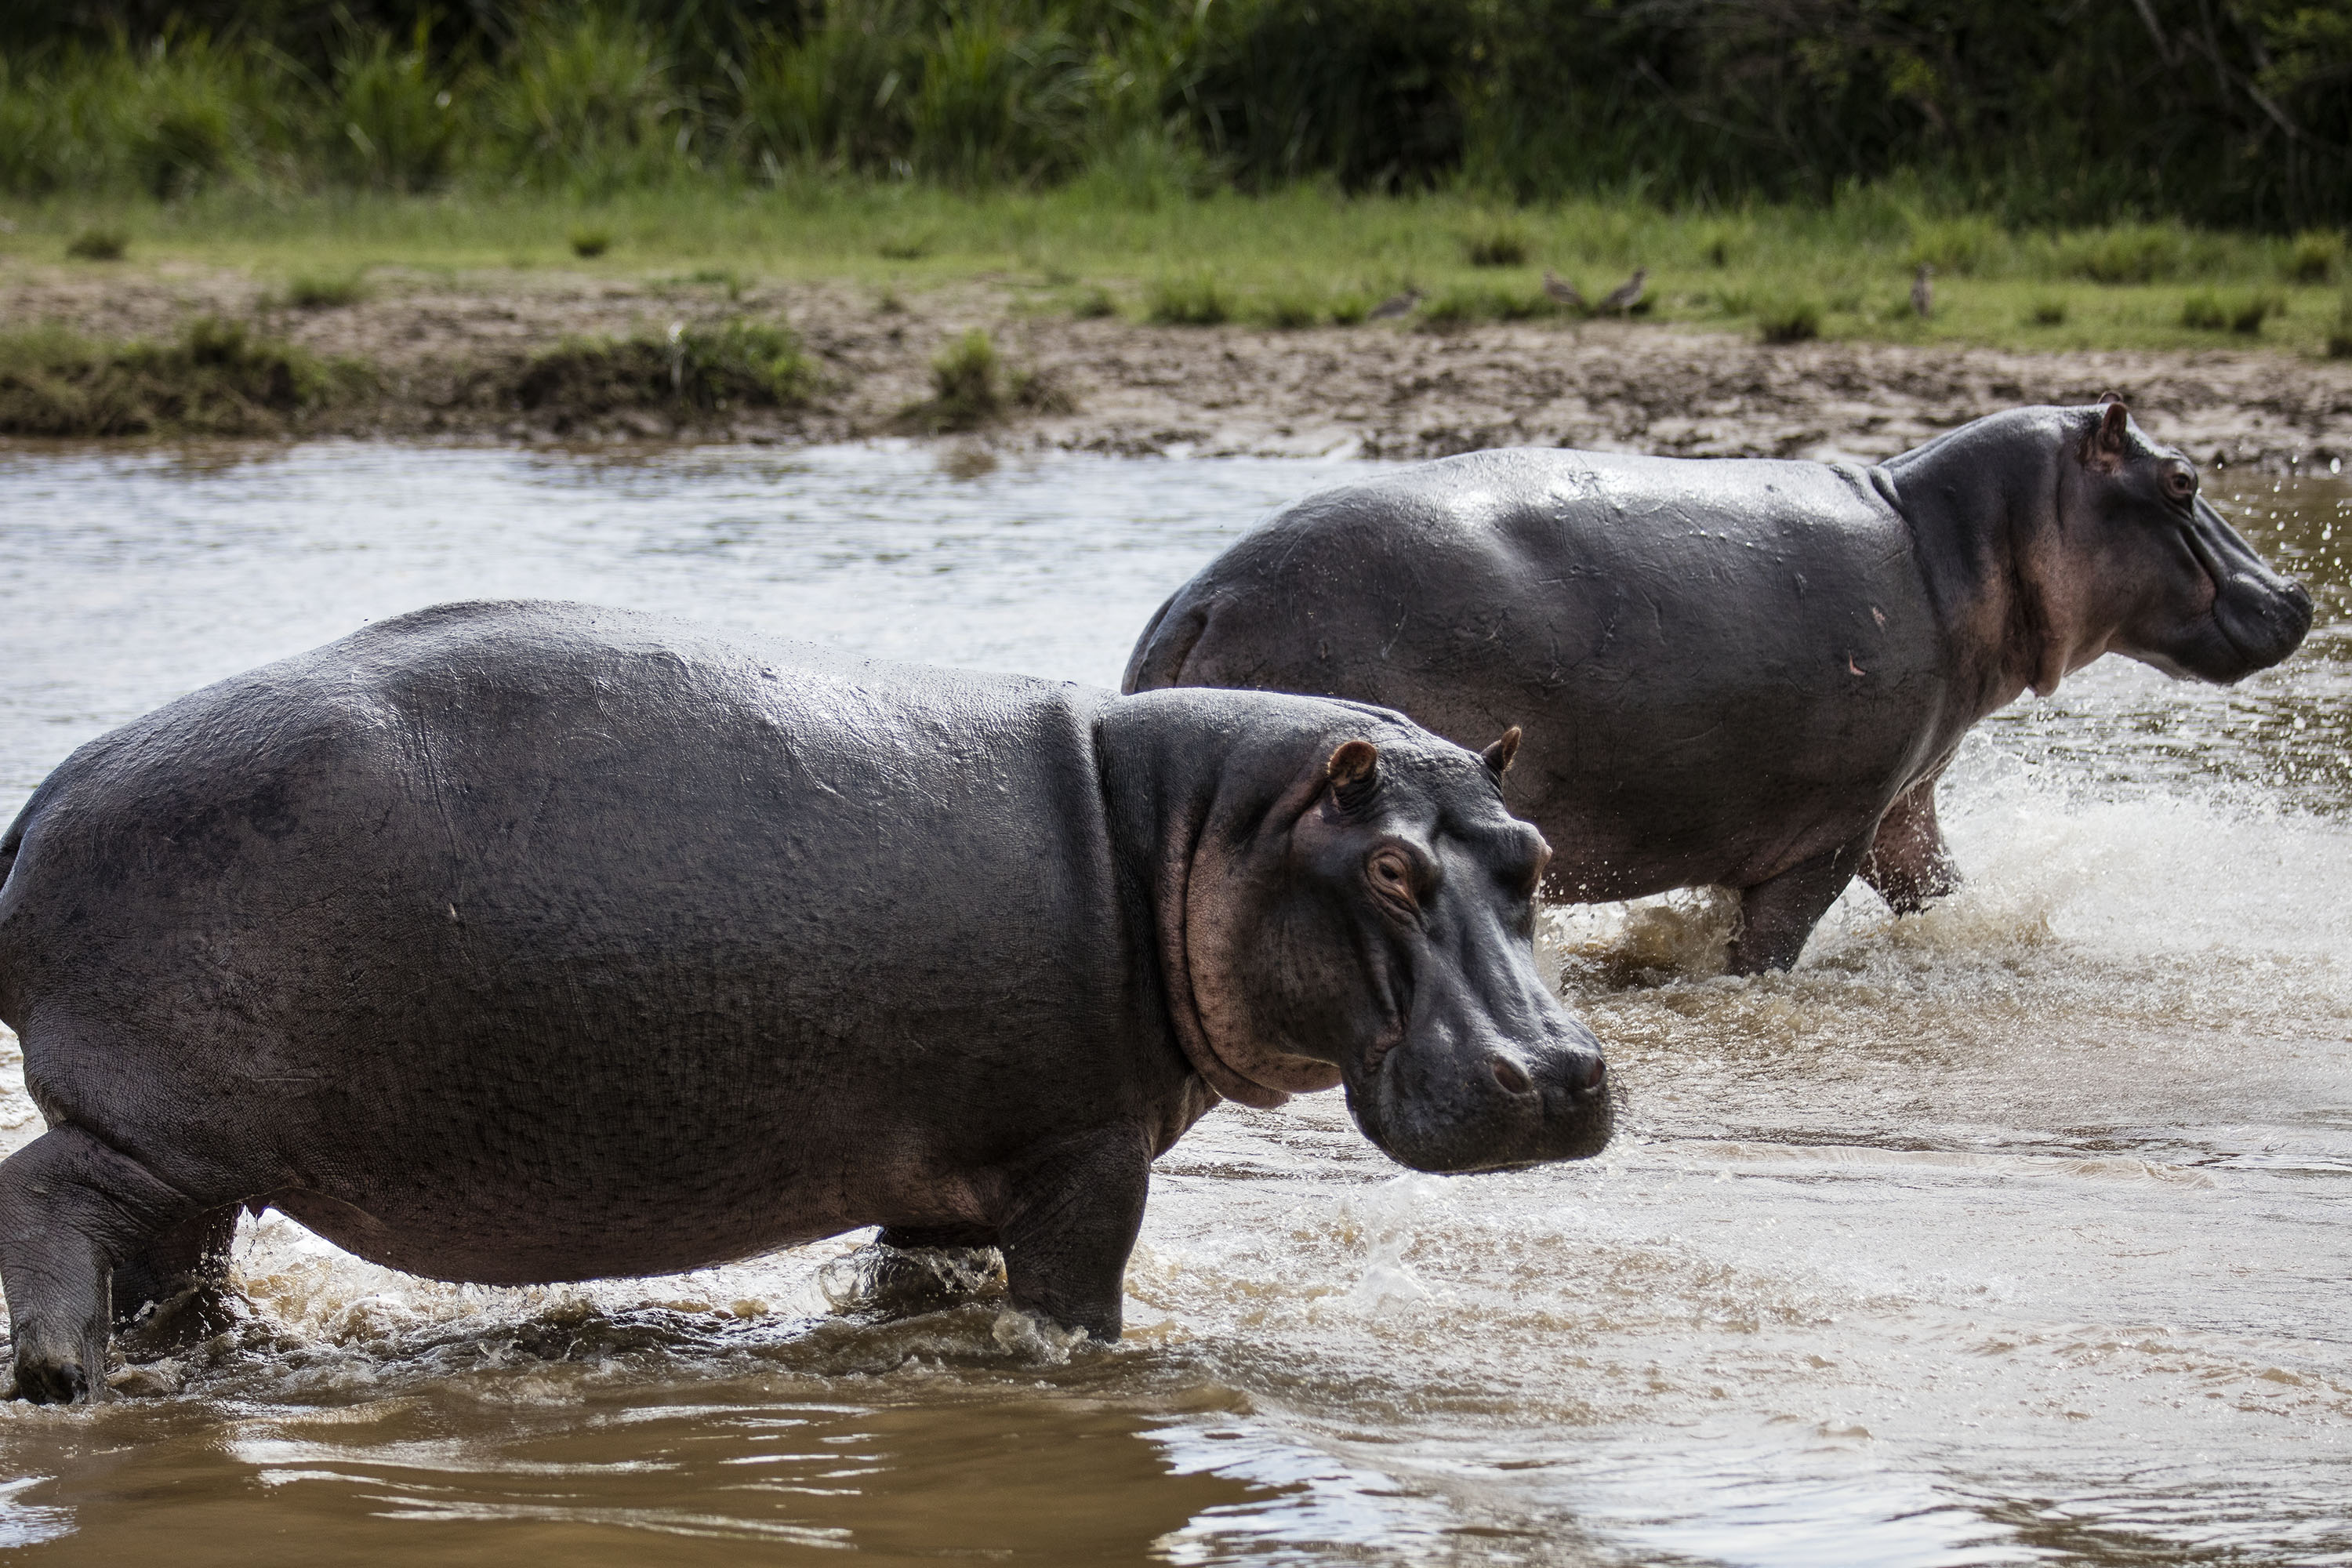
2013,1233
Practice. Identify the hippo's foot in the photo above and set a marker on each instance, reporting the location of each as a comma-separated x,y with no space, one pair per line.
51,1378
70,1209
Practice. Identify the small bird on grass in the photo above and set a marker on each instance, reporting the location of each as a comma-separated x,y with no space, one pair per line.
1563,293
1626,295
1396,305
1923,291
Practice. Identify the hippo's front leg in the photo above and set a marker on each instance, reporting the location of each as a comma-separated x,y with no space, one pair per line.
1070,1221
1907,864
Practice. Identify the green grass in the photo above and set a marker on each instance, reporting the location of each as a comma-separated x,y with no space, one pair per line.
1469,304
971,386
98,244
1790,321
2208,312
1199,299
694,369
1271,260
326,292
1497,245
218,378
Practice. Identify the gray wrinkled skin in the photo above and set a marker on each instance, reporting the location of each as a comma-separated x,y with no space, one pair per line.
535,942
1737,673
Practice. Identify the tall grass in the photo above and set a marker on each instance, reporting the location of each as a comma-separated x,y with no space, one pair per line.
2154,110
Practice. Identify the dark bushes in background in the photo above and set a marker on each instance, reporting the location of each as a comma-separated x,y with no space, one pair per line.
2217,112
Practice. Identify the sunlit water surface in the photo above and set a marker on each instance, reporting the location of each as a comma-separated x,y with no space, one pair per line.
2014,1232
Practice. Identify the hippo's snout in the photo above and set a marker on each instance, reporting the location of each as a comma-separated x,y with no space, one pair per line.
1459,1105
2264,620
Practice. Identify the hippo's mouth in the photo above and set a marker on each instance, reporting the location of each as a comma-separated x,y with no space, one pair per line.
1368,1085
2255,625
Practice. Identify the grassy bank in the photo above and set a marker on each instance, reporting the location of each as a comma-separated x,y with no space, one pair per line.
1305,255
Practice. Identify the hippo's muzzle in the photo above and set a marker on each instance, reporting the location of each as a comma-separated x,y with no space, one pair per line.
1454,1099
2258,617
2265,622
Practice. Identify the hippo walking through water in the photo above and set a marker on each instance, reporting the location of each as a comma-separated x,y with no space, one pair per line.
537,943
1736,672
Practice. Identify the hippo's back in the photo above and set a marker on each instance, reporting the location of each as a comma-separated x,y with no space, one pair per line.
1687,643
596,904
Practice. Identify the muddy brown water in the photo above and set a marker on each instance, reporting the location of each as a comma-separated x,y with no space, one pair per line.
2016,1233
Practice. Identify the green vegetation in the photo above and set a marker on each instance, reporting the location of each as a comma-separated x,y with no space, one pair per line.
1790,321
326,292
696,370
1467,304
2315,257
2217,112
973,387
1305,255
2208,312
1194,300
2125,174
1499,245
220,378
98,244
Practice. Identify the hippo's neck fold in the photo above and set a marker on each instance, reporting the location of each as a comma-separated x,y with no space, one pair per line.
1975,502
1186,774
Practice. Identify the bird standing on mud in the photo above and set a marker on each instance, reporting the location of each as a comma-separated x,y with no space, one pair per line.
1923,291
1396,305
1626,295
1562,292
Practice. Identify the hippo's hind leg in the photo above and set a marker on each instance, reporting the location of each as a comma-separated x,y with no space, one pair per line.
1073,1221
71,1210
1777,917
1907,863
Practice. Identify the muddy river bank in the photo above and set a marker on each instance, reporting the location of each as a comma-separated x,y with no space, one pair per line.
2014,1232
444,353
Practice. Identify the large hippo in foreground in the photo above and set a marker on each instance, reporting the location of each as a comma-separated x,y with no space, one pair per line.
1736,672
533,943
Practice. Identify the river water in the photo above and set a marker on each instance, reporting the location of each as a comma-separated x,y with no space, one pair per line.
2015,1232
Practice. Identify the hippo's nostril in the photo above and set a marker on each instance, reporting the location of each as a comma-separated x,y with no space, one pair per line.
1593,1079
1511,1075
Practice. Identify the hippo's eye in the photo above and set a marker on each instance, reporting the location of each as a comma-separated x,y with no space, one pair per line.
2180,480
1392,877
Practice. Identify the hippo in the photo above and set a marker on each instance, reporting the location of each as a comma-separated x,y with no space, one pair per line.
1734,672
530,942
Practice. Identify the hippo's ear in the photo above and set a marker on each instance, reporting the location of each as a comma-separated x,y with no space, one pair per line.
2108,444
1354,772
1498,757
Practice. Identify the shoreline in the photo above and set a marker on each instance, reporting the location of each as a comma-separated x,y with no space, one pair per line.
440,352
